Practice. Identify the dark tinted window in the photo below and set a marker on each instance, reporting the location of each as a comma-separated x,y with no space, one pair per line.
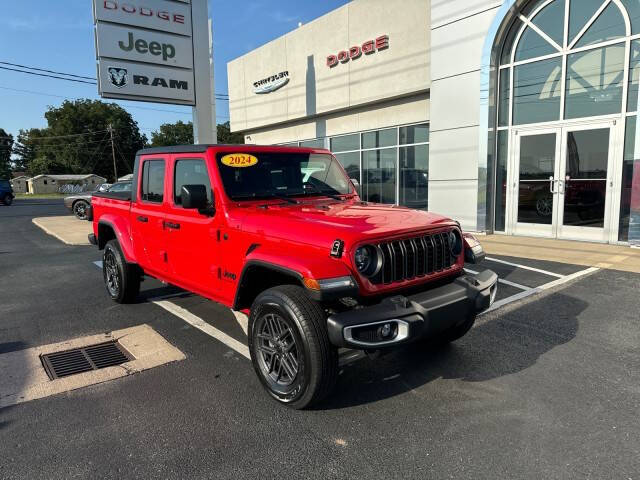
153,180
190,172
284,174
120,187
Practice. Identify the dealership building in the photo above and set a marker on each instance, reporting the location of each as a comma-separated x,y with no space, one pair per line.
511,116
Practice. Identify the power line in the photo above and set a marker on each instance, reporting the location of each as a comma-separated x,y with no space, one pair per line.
219,96
78,98
47,75
48,71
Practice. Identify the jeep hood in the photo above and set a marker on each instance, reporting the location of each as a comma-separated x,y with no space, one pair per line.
321,222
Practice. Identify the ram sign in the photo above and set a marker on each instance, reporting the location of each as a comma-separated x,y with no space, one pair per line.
145,50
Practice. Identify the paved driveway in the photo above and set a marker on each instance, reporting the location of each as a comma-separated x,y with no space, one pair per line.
544,387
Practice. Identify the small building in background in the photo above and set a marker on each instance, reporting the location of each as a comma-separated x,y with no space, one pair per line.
19,184
64,183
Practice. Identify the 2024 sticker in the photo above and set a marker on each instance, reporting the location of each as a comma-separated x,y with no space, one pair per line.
239,160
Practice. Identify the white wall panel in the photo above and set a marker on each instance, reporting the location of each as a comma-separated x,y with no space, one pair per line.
456,199
453,154
455,101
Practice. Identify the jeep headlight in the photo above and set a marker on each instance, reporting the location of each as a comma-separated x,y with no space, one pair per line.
368,260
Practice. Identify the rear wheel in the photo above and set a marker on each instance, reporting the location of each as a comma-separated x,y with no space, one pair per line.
121,278
290,347
7,199
80,209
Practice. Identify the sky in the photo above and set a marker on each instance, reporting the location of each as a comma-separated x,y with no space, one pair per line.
58,35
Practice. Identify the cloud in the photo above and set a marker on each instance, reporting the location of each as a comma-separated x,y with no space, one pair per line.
281,17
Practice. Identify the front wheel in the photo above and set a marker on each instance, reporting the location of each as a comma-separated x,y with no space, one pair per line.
290,348
7,199
80,209
121,278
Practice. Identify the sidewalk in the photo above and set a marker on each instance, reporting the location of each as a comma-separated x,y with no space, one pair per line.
67,229
599,255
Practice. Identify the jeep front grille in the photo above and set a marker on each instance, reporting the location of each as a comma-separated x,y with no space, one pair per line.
414,257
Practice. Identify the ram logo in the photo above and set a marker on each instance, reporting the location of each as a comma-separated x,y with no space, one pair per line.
118,76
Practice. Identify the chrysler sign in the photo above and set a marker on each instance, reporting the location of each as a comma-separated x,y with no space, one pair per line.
145,50
272,83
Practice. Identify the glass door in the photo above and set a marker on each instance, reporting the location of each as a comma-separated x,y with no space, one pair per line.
561,182
533,196
584,182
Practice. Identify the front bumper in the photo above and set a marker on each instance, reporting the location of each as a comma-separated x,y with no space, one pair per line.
422,315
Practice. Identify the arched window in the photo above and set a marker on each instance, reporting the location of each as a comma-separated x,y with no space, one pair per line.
565,59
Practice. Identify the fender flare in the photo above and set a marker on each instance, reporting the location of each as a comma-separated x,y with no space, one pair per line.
121,231
261,263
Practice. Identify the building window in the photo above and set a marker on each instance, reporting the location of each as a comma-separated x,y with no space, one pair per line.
391,165
315,143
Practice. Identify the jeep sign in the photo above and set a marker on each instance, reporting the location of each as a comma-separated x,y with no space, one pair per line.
137,81
162,15
145,50
128,43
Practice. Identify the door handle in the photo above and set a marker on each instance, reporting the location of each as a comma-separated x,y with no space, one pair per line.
174,226
142,219
551,182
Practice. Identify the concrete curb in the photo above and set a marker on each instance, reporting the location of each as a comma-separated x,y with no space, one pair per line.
66,229
23,378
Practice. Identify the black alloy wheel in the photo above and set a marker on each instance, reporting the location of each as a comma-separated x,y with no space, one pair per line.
278,353
112,278
80,209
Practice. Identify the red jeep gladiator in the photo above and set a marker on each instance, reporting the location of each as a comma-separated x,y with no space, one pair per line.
281,234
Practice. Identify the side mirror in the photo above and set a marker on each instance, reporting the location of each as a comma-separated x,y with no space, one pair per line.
356,184
195,197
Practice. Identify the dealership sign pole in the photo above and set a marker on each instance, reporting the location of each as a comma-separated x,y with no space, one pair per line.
157,51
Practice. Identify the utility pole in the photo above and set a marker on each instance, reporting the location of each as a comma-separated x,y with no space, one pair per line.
113,154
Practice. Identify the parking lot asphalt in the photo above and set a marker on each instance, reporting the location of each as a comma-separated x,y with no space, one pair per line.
546,386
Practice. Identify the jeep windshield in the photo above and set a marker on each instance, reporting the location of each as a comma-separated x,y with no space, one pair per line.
261,175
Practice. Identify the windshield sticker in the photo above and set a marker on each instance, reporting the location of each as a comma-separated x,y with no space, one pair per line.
239,160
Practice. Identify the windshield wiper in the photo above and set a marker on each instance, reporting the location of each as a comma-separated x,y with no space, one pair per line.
264,195
325,192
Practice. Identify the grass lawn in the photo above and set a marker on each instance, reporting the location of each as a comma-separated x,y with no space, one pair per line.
41,195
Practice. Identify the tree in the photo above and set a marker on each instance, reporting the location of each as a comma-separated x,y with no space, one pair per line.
178,133
181,133
77,140
225,135
6,146
24,149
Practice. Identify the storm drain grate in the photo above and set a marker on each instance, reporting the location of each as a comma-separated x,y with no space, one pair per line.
85,359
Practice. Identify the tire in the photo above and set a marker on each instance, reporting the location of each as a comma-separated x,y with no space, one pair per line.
287,329
457,331
121,279
7,199
80,209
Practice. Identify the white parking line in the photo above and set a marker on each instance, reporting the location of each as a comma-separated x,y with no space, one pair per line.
502,280
203,326
541,288
525,267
